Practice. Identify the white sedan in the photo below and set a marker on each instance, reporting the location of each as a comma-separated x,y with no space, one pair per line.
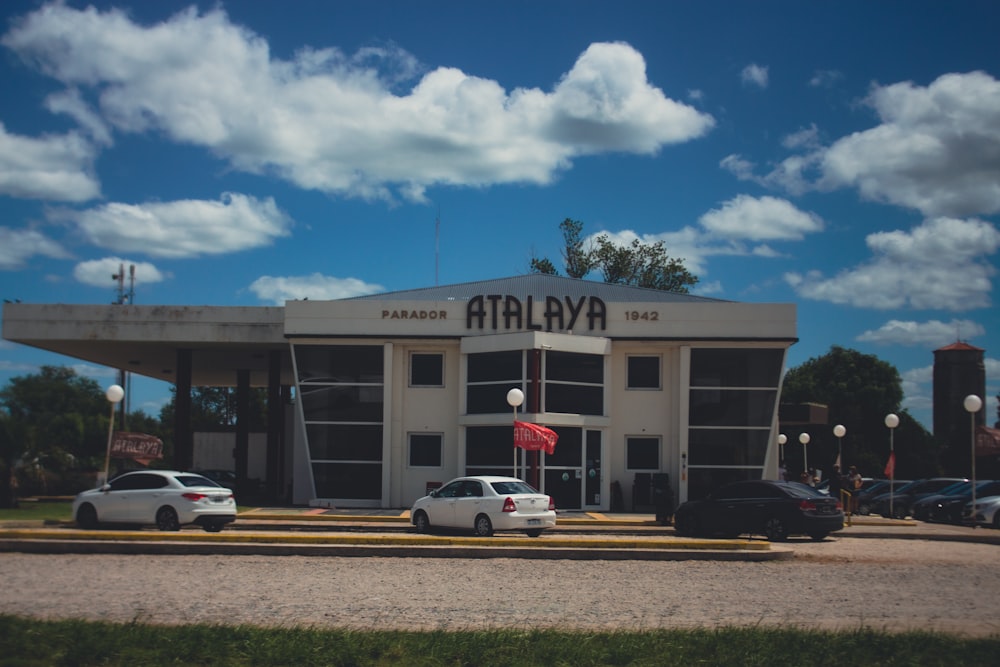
166,498
985,513
485,504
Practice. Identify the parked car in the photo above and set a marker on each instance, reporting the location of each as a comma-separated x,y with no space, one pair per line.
226,478
896,504
485,504
877,488
985,513
774,509
921,509
948,507
167,498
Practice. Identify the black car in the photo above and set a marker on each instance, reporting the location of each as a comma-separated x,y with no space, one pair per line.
863,500
948,507
774,509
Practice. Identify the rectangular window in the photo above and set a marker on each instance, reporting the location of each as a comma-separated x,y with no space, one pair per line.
643,373
351,364
496,366
574,383
732,407
714,367
642,453
425,450
426,369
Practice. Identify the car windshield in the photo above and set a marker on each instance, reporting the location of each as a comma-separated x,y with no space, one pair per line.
195,480
799,490
504,488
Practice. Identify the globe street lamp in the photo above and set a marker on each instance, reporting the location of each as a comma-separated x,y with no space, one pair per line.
782,439
891,422
515,397
972,405
114,394
804,439
839,431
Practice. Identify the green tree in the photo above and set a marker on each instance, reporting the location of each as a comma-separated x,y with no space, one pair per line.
860,390
639,264
214,408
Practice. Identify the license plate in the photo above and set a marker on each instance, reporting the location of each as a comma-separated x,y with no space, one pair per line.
534,522
218,499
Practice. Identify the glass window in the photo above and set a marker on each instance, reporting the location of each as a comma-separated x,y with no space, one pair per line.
488,398
574,399
727,446
741,367
348,480
574,367
732,407
339,363
569,449
426,369
496,366
345,442
425,450
643,373
642,453
490,446
702,481
341,403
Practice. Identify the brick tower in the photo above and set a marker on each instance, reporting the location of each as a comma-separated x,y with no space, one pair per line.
958,372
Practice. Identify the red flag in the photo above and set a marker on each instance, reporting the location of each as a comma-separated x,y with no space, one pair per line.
534,437
890,467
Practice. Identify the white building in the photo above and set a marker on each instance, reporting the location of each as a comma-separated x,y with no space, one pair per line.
396,392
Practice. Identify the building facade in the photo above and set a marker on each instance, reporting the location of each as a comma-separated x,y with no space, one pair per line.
396,393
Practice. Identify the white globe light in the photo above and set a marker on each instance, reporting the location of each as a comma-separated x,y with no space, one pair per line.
804,438
839,430
972,403
515,397
782,439
115,393
891,420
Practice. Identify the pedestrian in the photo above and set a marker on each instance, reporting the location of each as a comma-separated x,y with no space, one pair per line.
836,482
854,484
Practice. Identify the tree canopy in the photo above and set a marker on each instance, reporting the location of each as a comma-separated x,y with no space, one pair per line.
638,264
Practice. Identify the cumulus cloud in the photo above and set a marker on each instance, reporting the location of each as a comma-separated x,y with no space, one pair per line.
56,167
315,287
933,333
760,219
99,272
17,246
754,75
186,228
343,124
940,264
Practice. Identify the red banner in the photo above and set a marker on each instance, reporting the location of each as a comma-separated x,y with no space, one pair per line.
890,467
138,446
534,437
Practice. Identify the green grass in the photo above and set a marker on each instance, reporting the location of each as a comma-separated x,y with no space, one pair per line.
31,642
35,510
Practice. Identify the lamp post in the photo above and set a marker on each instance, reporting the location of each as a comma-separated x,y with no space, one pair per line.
114,394
804,439
840,431
782,439
891,422
972,405
515,397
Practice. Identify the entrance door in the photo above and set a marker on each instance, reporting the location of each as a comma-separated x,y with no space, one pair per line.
573,473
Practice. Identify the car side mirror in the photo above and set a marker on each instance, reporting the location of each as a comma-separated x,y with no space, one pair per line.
106,488
433,493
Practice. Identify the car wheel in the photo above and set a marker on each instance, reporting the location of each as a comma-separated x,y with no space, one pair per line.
166,519
533,533
86,516
899,512
818,537
484,527
685,525
421,522
864,509
775,530
213,527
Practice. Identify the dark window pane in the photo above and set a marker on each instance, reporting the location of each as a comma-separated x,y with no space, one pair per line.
574,399
336,403
345,442
426,370
642,453
495,366
490,446
643,373
425,450
727,446
362,481
702,481
573,367
732,407
488,398
339,363
569,450
736,367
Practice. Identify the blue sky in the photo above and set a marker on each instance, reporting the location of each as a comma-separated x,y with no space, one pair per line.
841,156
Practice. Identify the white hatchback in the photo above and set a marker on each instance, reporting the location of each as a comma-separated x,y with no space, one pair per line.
166,498
485,504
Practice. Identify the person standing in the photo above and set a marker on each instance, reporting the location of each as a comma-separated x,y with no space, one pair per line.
836,482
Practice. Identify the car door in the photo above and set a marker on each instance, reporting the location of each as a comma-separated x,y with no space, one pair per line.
113,503
145,497
468,503
441,509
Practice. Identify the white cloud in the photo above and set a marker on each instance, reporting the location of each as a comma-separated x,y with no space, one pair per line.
19,245
315,287
825,78
335,123
54,167
754,75
933,333
760,219
940,264
99,272
187,228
